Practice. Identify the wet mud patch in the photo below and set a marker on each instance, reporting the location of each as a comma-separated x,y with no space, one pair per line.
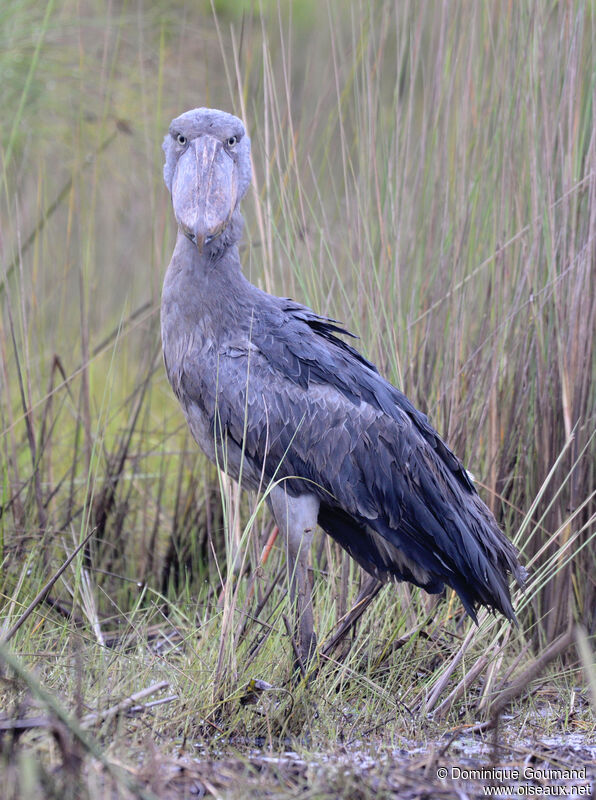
469,765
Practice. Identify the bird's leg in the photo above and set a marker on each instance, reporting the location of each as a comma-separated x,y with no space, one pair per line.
301,592
297,519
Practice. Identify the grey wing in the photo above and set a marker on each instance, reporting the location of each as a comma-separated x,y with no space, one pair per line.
386,496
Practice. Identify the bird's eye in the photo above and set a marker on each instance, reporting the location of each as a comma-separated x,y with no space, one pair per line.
232,141
181,138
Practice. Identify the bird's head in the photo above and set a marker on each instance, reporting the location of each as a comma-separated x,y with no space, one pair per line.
207,171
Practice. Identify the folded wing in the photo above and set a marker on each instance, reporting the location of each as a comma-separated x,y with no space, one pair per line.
305,407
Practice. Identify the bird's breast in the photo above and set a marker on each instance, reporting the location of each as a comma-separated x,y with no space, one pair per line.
187,363
193,364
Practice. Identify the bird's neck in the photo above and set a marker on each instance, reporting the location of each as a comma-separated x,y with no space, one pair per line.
207,286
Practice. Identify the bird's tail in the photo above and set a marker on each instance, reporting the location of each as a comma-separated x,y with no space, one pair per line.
480,576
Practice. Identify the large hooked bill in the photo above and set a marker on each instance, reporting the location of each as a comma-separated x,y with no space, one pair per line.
204,190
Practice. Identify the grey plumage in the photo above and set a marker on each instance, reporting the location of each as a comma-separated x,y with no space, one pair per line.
287,400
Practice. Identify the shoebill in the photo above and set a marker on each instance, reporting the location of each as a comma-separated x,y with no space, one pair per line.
276,397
